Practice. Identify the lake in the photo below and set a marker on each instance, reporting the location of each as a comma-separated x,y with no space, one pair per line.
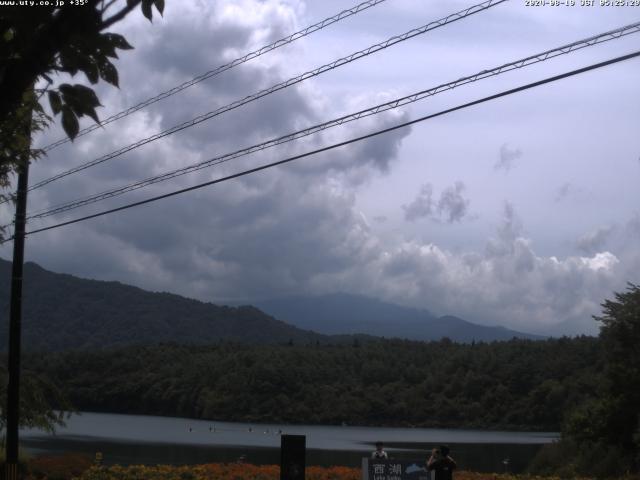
138,439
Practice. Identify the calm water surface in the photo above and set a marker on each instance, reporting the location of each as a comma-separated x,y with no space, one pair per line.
128,439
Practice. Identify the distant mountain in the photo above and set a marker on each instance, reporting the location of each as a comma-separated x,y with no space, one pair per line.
348,314
65,312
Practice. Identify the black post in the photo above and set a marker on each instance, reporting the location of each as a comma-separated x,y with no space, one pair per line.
15,321
292,457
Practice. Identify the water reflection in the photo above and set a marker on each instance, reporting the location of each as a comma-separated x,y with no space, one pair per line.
132,439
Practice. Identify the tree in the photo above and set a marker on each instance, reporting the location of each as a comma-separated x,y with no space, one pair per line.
42,403
611,422
620,334
37,44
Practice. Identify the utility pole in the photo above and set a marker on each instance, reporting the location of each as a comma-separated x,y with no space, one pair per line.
15,314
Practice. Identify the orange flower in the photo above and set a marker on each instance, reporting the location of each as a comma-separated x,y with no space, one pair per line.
50,468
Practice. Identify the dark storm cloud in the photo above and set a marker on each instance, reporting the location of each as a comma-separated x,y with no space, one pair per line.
633,226
263,235
594,241
510,249
379,151
563,191
270,116
421,206
507,157
228,244
511,226
172,51
358,162
295,229
451,206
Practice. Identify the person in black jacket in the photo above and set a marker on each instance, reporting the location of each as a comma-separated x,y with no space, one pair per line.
441,463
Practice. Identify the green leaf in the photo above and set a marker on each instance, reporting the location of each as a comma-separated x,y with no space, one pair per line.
55,101
90,68
87,95
159,5
118,41
70,96
69,61
109,73
107,48
8,35
69,122
80,95
91,112
37,108
80,100
146,9
66,90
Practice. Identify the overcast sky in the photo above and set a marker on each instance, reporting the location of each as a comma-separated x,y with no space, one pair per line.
522,212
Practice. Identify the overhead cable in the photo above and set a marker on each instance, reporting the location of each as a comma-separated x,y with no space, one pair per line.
279,86
340,144
222,68
398,102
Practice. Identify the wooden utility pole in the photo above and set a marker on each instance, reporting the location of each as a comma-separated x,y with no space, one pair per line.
15,316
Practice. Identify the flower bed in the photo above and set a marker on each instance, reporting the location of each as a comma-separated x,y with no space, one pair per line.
79,467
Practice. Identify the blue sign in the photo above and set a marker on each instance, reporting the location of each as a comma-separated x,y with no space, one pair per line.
374,469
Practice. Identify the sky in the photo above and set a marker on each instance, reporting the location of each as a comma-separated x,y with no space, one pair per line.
521,212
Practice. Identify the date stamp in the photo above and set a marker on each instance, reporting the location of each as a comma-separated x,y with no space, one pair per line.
582,3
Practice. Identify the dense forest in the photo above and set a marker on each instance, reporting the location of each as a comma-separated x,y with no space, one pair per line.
518,384
65,312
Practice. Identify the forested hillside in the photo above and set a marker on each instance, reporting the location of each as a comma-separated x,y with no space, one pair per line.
65,312
516,384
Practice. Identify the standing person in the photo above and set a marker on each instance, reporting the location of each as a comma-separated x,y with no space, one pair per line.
379,453
441,463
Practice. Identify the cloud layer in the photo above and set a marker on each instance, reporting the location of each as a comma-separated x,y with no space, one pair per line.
507,158
451,207
302,228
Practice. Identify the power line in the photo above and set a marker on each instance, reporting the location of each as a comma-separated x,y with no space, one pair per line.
341,144
279,86
222,68
530,60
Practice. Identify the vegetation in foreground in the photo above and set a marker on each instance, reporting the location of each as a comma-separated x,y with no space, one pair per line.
80,467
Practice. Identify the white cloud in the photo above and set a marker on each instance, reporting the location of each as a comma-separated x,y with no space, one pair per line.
509,284
299,228
507,157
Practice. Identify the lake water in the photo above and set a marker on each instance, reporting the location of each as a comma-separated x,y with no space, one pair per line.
137,439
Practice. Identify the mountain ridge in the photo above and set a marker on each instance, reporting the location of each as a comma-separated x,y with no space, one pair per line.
342,313
62,311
